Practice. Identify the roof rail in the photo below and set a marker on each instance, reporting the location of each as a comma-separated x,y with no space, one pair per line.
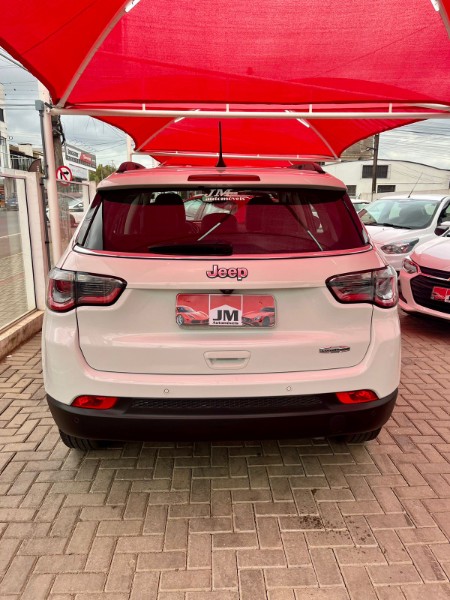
129,166
312,166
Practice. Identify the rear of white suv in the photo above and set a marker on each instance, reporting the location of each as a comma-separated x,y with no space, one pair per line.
271,316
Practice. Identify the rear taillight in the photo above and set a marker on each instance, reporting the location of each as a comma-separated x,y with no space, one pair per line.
95,402
378,286
356,397
69,289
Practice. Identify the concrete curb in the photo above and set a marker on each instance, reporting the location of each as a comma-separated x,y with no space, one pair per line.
20,332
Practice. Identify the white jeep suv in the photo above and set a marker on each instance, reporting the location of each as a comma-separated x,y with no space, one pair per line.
271,316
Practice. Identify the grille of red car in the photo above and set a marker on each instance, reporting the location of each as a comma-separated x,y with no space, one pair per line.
436,273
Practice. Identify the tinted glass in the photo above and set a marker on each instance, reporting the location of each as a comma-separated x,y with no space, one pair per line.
222,222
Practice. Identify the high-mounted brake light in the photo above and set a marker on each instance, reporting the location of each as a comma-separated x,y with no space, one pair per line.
69,289
356,397
95,402
378,286
219,177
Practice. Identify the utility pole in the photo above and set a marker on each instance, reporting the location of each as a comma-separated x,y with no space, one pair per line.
50,171
58,139
129,148
375,164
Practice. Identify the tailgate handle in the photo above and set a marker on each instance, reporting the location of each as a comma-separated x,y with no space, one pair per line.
227,360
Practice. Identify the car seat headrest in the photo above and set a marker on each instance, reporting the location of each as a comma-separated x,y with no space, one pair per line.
168,198
262,199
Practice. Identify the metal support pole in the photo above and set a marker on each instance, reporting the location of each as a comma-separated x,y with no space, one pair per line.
40,107
50,175
129,149
375,164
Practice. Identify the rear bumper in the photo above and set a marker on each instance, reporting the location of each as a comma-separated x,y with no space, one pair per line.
149,419
67,374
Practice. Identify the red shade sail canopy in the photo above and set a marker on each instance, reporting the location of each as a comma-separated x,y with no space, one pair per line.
93,54
293,139
271,138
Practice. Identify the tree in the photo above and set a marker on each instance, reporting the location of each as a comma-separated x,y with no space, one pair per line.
101,172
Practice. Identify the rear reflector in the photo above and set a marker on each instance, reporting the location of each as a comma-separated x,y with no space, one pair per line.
356,397
224,178
95,402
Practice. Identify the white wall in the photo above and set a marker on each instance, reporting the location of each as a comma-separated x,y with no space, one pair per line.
404,175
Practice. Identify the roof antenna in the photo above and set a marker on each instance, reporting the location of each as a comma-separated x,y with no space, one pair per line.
220,162
414,187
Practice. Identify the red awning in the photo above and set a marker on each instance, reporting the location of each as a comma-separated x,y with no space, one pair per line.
247,51
92,54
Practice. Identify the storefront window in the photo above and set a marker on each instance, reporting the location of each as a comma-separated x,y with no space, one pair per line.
16,272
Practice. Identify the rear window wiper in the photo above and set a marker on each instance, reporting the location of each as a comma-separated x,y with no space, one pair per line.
193,249
297,218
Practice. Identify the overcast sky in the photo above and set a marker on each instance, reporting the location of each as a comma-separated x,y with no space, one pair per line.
427,142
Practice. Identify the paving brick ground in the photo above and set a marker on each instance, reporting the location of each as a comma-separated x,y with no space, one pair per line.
288,520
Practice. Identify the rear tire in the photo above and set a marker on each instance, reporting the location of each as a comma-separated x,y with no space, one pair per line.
359,438
79,443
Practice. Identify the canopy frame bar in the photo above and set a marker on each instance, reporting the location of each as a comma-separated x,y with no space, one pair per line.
306,123
90,55
438,113
444,16
281,157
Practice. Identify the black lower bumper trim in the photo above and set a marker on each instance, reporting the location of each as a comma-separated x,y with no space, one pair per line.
137,419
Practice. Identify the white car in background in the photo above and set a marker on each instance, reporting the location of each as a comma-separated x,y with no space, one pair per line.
73,207
76,209
397,225
425,279
359,204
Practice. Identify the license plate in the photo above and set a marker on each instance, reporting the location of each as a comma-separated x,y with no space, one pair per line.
221,310
441,294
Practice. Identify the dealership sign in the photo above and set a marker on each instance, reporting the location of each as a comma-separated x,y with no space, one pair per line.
76,156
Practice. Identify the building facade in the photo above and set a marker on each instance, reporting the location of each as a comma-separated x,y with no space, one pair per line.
4,151
393,176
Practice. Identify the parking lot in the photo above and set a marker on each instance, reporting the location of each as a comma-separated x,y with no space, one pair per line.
302,519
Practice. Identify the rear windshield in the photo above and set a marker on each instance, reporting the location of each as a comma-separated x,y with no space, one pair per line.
219,222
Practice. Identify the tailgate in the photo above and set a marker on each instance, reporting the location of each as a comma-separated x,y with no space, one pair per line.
140,333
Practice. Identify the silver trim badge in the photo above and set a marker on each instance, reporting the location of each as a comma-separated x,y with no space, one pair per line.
334,349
